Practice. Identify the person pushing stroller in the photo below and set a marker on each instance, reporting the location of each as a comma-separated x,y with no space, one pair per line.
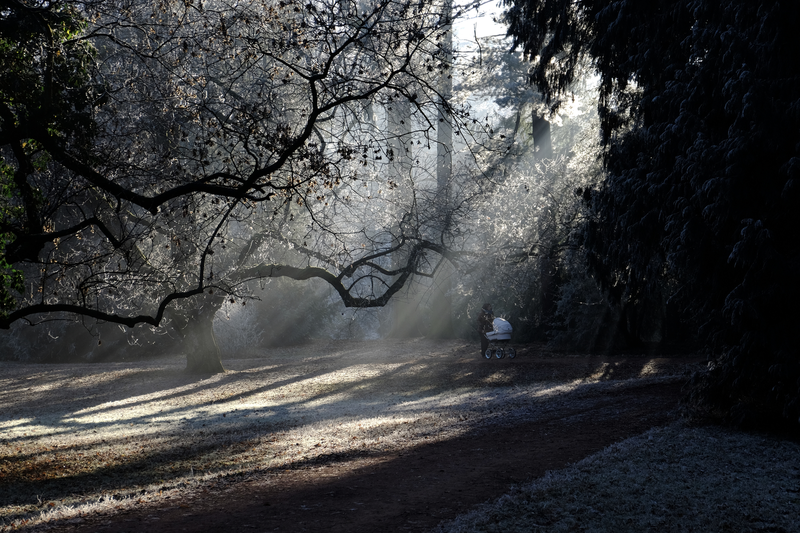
485,320
495,334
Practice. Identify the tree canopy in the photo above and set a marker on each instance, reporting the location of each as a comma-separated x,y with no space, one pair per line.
700,112
157,151
44,86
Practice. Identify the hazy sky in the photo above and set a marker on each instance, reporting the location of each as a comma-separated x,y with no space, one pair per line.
478,22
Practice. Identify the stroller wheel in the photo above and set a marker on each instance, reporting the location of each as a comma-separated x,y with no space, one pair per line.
488,353
499,353
512,353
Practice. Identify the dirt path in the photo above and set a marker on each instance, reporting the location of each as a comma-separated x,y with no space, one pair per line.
410,490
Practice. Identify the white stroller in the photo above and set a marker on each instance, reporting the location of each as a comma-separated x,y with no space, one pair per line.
499,339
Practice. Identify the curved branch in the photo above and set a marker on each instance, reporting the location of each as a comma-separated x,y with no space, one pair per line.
130,321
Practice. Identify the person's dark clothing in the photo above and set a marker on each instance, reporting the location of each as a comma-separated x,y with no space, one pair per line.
485,319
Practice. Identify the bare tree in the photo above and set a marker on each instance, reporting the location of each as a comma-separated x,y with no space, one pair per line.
224,142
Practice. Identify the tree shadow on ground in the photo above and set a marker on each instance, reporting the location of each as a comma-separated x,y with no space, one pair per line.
408,489
409,387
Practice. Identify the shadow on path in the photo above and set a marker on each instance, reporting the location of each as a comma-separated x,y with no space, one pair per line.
412,490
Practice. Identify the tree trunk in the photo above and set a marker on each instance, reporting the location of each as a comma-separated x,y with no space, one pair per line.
542,142
196,330
203,355
441,325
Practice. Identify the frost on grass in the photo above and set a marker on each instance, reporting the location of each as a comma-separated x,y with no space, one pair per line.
75,439
669,479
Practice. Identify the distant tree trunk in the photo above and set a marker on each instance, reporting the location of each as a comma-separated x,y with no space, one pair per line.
542,142
402,316
441,325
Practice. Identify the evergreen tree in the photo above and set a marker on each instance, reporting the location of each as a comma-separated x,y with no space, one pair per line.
700,113
44,90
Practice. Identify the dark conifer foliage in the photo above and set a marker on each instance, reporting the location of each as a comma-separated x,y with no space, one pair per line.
700,110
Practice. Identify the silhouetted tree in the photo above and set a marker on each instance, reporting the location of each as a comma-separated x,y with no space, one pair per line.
699,111
159,155
44,86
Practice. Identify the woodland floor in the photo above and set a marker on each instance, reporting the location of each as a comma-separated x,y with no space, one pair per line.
411,490
354,437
